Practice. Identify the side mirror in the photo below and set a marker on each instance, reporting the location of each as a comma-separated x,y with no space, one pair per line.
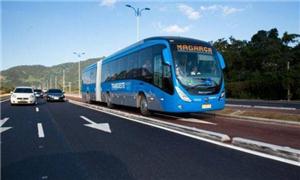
167,56
221,60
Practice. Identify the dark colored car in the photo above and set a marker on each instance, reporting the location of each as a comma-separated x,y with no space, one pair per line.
55,95
38,93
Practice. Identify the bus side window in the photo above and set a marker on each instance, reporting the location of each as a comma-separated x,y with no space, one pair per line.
130,67
108,72
158,70
146,65
103,74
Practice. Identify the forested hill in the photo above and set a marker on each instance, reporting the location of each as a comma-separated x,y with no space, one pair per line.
264,67
38,75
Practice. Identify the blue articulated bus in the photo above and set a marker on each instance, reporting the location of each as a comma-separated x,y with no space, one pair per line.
168,74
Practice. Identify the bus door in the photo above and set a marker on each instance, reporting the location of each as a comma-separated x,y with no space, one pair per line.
157,96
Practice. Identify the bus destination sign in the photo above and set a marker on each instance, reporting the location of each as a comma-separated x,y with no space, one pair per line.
193,48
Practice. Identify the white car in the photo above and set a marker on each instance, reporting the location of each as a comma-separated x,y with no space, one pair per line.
22,95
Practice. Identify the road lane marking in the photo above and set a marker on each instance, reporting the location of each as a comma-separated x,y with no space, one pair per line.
193,120
37,109
2,121
229,146
100,126
40,130
167,115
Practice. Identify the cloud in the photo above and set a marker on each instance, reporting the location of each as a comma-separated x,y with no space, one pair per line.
108,3
230,10
225,10
175,29
189,11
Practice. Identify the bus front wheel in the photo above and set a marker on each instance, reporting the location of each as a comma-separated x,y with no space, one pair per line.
144,106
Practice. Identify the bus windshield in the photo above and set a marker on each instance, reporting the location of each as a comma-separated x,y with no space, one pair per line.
197,71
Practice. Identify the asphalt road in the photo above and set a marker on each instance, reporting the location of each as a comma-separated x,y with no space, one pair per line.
71,150
284,104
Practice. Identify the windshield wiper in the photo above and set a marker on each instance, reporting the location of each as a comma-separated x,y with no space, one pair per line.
207,83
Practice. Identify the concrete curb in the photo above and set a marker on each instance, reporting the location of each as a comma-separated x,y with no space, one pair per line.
261,120
189,130
260,107
281,151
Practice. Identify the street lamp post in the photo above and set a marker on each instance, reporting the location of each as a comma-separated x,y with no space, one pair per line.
138,14
79,55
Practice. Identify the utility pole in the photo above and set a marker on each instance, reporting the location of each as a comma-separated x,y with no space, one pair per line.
70,87
50,86
288,82
55,79
138,14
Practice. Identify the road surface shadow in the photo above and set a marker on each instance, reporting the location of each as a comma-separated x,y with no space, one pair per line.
81,165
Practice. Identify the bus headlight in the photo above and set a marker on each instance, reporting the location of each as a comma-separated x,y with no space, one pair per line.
182,95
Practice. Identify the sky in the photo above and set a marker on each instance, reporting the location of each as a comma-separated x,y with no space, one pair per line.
48,32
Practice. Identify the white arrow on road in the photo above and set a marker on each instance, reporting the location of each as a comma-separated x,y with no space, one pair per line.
100,126
2,121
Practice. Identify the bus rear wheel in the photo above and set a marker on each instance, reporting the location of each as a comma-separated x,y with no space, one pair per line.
108,101
144,106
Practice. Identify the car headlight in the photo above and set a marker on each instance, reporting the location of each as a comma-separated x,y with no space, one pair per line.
32,96
14,96
182,95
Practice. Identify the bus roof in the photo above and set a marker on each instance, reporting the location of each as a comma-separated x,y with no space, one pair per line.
169,39
178,39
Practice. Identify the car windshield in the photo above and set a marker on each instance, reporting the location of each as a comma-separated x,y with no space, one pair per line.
23,90
38,90
54,91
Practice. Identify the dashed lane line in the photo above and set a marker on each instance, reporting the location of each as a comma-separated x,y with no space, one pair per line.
40,130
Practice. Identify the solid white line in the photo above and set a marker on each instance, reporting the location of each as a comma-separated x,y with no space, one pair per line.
37,109
40,130
167,115
198,138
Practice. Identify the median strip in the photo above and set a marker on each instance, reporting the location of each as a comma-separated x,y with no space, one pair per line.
281,151
260,107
